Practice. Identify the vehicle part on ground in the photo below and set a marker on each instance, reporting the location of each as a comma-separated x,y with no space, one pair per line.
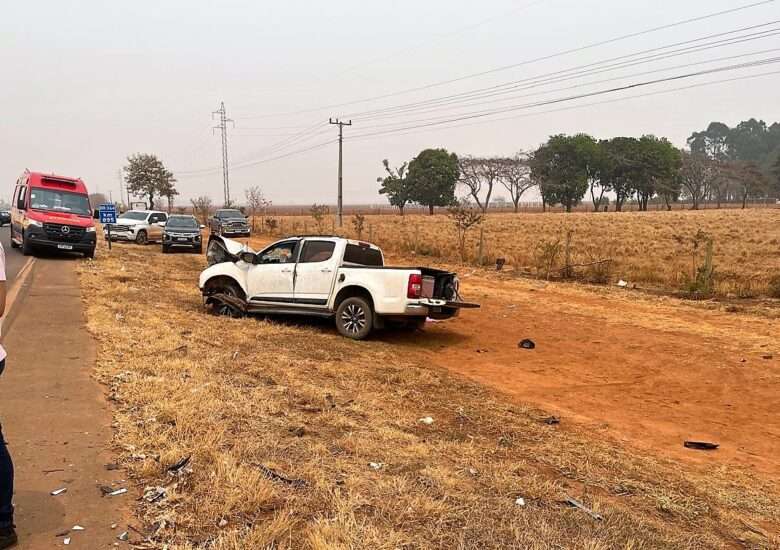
701,445
526,344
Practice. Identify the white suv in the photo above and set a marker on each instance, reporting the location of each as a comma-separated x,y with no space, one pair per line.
141,226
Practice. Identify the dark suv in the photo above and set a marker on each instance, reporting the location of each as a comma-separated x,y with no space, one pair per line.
182,232
229,222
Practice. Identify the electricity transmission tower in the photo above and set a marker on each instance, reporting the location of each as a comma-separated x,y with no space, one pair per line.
341,141
223,120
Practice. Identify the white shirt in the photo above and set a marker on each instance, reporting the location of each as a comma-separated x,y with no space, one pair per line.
2,278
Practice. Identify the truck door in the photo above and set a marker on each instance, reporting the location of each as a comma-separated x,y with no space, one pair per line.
270,280
315,271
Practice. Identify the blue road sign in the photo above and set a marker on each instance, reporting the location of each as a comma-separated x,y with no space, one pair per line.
107,213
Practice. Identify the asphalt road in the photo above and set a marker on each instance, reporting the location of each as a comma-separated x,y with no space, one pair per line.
14,260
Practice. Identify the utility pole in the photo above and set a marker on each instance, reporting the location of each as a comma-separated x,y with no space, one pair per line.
341,141
121,184
223,120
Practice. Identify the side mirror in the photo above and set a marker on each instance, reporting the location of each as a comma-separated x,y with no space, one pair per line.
96,214
161,224
247,257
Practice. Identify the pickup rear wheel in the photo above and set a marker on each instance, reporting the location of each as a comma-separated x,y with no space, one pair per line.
354,318
141,237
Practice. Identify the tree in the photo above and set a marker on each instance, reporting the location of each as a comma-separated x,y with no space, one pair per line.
478,174
657,163
696,176
432,177
201,207
146,176
561,168
714,142
168,191
749,179
619,167
256,201
96,199
464,216
395,185
515,176
318,212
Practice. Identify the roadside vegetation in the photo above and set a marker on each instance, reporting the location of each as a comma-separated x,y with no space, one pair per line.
659,251
298,438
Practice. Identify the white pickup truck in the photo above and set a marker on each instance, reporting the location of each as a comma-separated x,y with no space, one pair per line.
329,277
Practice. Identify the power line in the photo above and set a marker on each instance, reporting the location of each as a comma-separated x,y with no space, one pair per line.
522,63
579,96
590,68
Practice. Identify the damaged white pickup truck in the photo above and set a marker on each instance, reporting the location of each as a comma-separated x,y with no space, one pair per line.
328,277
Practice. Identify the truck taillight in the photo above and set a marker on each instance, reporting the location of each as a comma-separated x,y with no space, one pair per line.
414,290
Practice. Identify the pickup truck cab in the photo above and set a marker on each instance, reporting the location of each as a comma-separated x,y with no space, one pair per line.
325,276
141,226
228,221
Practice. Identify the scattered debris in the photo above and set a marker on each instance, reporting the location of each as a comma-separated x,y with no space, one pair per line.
64,533
117,492
551,420
297,431
235,355
105,489
331,401
622,284
113,526
155,494
473,471
59,491
124,535
701,445
767,356
577,504
112,466
500,262
481,350
376,465
526,344
77,528
223,522
53,470
275,476
173,468
520,501
426,420
66,541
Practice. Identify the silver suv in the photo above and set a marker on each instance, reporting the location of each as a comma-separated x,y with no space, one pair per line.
141,226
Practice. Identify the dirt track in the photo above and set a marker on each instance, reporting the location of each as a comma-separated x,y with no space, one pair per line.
651,372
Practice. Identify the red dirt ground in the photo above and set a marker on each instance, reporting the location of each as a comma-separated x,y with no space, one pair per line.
651,372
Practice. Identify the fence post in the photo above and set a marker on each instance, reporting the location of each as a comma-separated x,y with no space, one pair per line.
567,256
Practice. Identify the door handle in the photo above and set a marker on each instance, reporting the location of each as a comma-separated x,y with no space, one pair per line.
326,270
286,270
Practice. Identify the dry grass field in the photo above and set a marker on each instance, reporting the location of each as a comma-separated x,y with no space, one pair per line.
653,250
283,420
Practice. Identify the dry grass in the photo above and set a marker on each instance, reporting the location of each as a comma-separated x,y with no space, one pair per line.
652,249
239,395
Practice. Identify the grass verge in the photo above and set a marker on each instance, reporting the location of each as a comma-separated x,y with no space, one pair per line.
246,399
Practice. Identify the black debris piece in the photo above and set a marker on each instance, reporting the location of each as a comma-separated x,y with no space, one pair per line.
526,344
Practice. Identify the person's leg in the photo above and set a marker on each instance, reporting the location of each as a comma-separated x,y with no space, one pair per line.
6,485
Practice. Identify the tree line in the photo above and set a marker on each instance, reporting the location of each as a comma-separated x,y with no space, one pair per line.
721,164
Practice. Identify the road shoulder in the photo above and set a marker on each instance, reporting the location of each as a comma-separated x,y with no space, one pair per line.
55,416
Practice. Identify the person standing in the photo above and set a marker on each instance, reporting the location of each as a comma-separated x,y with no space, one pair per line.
7,532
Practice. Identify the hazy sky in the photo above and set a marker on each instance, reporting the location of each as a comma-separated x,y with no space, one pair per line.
83,84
